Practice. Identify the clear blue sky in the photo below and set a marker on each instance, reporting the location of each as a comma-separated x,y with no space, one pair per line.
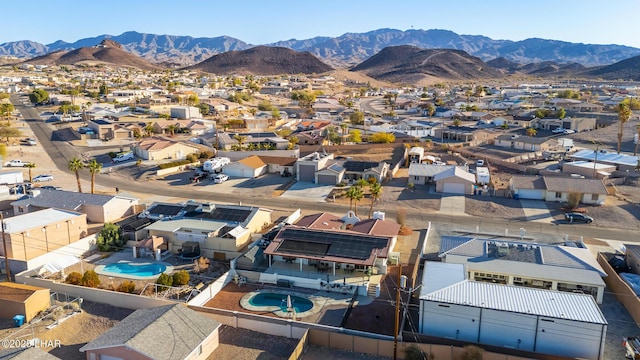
265,21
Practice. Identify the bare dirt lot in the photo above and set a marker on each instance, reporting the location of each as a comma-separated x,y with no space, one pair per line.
242,344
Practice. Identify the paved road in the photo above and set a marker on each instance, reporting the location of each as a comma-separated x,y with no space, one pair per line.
62,152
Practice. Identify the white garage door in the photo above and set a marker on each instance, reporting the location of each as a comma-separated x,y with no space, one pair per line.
453,188
531,194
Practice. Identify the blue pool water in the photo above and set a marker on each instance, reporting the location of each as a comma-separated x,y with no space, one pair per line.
135,269
280,300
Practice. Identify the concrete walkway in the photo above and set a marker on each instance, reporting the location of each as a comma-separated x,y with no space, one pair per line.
452,204
536,210
308,192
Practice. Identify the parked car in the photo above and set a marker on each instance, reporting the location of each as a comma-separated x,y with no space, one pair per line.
558,130
123,156
220,178
568,131
43,177
480,163
573,217
29,141
49,187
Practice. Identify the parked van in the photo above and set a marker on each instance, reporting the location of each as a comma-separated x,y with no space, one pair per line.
126,156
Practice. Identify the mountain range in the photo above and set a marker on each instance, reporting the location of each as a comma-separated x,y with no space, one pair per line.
343,51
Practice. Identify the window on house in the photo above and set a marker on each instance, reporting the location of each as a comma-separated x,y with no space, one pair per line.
558,195
594,197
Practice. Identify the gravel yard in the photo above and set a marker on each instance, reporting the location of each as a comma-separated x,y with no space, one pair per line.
242,344
494,207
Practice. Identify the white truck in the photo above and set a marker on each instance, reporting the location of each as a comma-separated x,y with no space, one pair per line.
16,163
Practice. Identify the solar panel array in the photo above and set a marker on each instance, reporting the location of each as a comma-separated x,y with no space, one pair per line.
165,210
222,214
359,166
339,244
302,247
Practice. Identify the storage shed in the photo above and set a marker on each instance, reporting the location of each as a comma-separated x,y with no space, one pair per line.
548,322
20,299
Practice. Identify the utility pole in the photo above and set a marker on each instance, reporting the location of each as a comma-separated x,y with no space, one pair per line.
4,244
396,325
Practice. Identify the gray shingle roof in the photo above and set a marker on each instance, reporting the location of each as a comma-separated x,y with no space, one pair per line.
163,333
583,186
60,199
528,182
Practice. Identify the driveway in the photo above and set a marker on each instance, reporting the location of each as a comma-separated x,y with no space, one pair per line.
307,191
453,205
536,210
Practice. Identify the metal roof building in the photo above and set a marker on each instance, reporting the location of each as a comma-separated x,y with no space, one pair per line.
528,319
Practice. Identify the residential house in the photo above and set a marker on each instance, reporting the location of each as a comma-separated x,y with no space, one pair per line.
185,112
166,126
331,175
542,266
526,143
134,227
576,124
422,174
229,141
485,313
37,233
21,299
553,188
196,128
171,332
249,167
308,125
98,208
588,169
284,166
355,170
104,129
330,250
455,180
464,134
622,162
156,148
416,154
311,138
307,166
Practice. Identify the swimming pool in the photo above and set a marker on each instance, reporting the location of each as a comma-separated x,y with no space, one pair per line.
270,300
134,270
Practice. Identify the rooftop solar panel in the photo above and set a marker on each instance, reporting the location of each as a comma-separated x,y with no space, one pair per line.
222,214
165,209
339,244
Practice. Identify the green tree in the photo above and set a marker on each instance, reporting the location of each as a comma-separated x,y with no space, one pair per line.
375,190
456,122
293,141
9,132
75,165
265,105
204,109
109,238
38,96
382,138
624,114
165,280
6,109
354,194
172,129
30,166
3,151
94,168
561,113
241,139
305,98
104,89
4,96
531,131
355,136
192,100
431,109
357,118
66,108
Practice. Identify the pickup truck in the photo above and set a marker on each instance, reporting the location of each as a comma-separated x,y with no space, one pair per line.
632,346
16,163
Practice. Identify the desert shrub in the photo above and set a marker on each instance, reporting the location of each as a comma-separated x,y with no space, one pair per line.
415,353
401,216
74,278
180,278
109,238
206,154
90,279
127,286
174,164
192,158
471,352
112,154
164,279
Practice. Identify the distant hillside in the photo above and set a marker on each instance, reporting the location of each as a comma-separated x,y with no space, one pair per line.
346,50
263,60
410,64
628,69
108,51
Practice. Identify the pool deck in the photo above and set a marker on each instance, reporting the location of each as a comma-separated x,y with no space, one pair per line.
319,299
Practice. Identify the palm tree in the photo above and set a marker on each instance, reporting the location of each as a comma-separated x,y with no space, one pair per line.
635,151
75,165
148,129
94,167
30,166
354,194
376,190
531,131
240,139
172,129
624,114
